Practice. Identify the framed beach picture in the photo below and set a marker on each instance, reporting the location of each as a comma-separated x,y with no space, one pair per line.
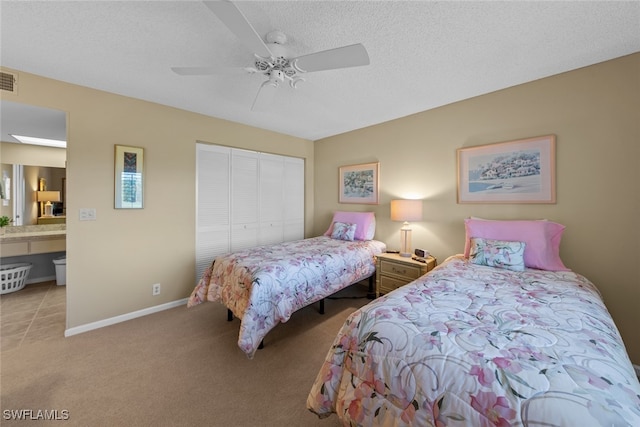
359,183
521,171
129,177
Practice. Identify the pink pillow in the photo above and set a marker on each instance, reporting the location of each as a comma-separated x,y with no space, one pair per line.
363,220
542,239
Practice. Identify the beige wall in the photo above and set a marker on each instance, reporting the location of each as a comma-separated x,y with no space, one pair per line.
24,154
112,262
594,113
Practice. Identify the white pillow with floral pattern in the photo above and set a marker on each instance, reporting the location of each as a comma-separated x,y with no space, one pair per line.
497,253
343,231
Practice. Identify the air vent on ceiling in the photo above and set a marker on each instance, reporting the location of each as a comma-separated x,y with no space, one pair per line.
8,82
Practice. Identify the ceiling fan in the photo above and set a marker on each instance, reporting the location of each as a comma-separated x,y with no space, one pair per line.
272,58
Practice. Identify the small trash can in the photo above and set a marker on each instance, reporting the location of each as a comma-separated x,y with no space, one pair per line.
61,270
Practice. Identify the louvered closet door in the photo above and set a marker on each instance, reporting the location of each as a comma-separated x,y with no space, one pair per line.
271,199
293,198
244,199
212,204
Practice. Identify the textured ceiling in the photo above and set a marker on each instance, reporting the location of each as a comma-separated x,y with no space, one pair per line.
29,120
424,54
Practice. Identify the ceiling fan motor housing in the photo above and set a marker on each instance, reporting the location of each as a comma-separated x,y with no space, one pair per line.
277,62
277,37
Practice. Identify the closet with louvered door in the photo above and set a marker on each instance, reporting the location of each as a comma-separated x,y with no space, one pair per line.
245,193
293,199
271,199
213,190
245,199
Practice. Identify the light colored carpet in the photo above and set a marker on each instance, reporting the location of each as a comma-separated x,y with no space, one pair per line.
180,367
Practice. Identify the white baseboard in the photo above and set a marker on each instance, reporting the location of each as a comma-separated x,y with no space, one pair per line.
39,279
123,318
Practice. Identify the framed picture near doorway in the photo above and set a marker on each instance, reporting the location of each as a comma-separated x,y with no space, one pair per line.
129,177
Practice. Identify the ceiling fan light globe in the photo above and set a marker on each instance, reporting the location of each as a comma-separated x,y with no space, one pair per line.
281,62
262,64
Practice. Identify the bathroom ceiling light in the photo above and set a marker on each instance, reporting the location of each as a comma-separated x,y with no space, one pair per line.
40,141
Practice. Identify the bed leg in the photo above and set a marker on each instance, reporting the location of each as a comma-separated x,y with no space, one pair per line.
371,294
229,315
322,306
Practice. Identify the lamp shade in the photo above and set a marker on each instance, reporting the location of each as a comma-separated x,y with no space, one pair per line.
48,196
406,210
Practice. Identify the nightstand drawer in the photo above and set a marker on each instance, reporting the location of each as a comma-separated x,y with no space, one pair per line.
388,284
397,269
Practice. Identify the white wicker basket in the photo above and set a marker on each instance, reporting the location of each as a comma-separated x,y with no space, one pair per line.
13,277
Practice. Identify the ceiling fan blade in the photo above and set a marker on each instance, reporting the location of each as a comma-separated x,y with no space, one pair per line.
354,55
265,96
235,20
209,71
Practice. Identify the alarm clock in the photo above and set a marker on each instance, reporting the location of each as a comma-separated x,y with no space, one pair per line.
421,253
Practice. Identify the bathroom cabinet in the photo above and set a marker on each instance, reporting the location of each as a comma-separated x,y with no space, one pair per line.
17,244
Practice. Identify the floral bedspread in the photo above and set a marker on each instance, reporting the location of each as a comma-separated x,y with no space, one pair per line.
265,285
469,345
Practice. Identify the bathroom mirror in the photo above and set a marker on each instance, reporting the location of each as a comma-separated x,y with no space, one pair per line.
25,166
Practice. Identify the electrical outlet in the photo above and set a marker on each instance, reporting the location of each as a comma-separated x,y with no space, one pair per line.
155,289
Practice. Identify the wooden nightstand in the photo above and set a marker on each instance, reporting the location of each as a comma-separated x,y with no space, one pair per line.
394,271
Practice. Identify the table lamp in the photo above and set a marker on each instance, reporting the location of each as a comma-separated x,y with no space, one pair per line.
406,210
48,197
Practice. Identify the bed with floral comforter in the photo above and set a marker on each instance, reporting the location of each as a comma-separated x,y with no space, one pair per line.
265,285
470,345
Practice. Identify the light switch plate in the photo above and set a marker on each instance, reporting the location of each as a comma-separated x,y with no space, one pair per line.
87,214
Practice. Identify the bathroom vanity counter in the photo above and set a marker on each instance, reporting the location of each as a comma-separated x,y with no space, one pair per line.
33,235
28,240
